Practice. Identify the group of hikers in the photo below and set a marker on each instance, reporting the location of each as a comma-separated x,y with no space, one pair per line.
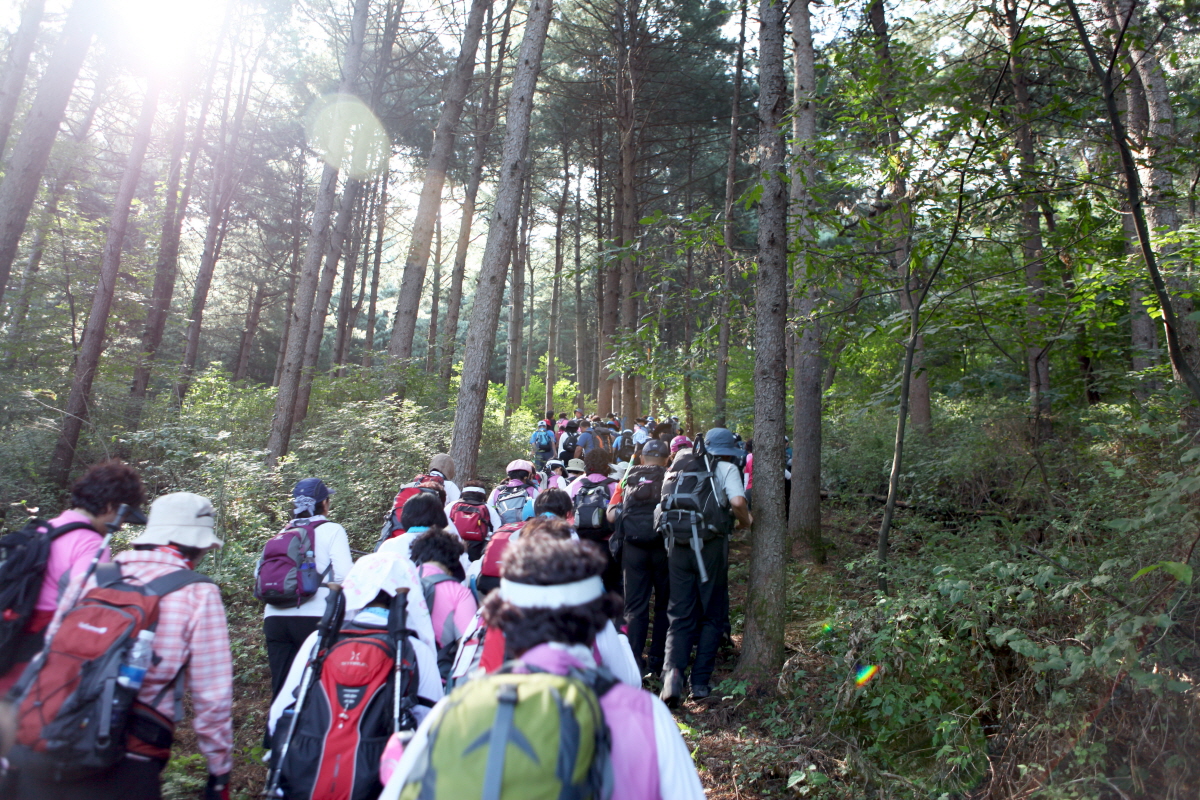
493,645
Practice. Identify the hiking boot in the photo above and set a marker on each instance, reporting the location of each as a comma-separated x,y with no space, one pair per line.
700,691
672,691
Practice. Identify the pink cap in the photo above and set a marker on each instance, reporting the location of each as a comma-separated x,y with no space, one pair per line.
680,442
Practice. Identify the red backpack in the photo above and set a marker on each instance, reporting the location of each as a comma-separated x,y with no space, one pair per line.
471,520
493,556
408,491
74,715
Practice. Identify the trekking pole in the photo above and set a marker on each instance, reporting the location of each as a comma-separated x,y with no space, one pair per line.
697,548
397,625
327,628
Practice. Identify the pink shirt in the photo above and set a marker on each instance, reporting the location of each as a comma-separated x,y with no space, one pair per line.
453,609
69,553
749,470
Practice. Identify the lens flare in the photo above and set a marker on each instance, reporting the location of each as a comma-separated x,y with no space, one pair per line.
864,674
347,135
826,628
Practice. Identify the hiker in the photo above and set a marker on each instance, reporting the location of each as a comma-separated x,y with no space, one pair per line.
472,518
643,557
442,465
702,503
431,483
375,675
556,475
555,503
604,434
748,472
568,440
641,433
420,514
586,442
77,534
575,469
679,443
625,446
437,554
550,609
190,649
541,444
590,496
288,621
513,499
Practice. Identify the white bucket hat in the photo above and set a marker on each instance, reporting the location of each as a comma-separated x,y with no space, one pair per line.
181,518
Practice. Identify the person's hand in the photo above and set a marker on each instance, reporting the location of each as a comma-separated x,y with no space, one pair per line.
217,788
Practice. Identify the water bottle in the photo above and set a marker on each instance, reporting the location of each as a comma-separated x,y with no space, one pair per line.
309,581
133,669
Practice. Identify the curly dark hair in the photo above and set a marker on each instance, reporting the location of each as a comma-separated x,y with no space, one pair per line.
598,461
105,486
437,544
547,561
554,501
423,509
547,526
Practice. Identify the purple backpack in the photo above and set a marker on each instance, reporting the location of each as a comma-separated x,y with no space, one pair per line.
286,573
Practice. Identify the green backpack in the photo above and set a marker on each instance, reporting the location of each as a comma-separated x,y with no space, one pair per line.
555,742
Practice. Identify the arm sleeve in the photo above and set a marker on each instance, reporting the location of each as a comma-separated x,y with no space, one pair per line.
210,678
617,655
677,776
429,684
339,554
730,478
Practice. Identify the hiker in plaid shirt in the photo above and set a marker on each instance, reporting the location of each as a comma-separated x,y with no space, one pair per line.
192,642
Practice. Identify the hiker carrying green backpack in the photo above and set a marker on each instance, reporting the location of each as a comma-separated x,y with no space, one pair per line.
550,723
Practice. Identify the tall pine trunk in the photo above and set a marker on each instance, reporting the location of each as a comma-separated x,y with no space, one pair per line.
23,171
373,304
804,517
19,50
516,322
92,344
246,341
435,298
306,283
556,289
766,606
409,302
481,334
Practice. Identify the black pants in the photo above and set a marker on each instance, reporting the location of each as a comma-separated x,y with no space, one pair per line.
284,636
644,568
697,611
131,778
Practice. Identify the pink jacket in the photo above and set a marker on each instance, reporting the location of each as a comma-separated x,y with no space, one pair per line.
70,553
453,609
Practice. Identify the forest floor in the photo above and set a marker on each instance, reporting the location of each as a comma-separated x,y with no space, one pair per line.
746,743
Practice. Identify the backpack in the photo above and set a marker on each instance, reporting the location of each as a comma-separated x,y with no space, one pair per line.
450,633
510,502
391,526
689,502
643,488
74,716
591,509
627,449
471,520
23,557
347,717
286,573
544,441
493,555
561,745
604,438
568,449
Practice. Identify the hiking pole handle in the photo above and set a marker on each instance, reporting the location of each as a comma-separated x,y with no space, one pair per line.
697,548
397,624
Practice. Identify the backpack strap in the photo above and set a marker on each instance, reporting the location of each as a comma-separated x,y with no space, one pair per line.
53,533
108,574
174,581
502,730
429,586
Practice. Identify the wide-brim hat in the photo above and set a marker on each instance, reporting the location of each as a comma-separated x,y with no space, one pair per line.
183,519
722,442
576,465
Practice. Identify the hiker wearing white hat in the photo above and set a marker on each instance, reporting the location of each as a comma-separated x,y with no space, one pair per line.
191,649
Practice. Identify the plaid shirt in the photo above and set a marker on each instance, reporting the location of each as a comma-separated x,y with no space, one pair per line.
192,631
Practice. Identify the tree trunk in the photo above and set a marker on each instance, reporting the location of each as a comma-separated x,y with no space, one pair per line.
348,309
19,50
556,290
23,171
721,382
306,284
372,307
804,517
766,606
516,324
431,356
409,302
92,344
485,121
247,339
293,271
481,334
320,310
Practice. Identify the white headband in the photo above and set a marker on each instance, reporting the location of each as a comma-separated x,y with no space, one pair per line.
526,595
479,489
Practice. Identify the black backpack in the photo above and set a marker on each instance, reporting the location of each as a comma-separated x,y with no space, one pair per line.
568,448
591,510
689,502
23,557
639,499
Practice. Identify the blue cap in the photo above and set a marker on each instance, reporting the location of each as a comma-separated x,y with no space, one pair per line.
312,487
722,442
